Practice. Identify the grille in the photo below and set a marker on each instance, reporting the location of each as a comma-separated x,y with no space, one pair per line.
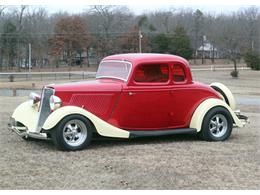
45,109
97,104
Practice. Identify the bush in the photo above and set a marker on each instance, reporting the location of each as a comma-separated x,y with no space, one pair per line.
234,73
11,78
252,60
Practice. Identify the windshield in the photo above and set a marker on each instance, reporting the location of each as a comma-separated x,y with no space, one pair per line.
114,69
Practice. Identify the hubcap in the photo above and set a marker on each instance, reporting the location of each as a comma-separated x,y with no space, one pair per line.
218,125
75,133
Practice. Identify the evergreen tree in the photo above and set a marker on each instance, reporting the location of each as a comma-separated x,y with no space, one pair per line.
180,43
161,43
9,43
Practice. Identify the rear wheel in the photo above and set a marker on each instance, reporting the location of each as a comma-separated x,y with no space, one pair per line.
217,125
74,132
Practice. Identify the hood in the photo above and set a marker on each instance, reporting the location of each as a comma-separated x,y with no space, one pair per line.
98,85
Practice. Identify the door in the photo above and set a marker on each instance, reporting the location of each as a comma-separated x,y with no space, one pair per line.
182,96
145,104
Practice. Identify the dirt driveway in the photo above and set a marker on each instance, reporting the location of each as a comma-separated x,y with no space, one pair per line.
172,162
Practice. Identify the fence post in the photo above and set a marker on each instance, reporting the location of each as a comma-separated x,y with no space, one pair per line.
14,92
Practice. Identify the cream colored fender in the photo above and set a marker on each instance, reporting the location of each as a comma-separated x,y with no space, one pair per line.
227,92
102,127
27,114
204,107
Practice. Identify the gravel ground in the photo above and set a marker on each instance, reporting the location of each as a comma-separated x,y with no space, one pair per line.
172,162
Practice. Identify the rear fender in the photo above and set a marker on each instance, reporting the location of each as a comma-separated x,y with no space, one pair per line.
227,93
102,127
204,107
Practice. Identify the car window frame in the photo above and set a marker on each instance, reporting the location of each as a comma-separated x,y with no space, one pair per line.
151,83
111,77
184,70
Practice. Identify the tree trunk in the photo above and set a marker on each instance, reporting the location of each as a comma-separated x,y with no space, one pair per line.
235,64
213,55
1,60
87,58
80,65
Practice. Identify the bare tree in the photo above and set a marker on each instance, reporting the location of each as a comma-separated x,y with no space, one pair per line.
70,38
112,30
250,30
231,40
198,31
162,21
109,20
37,25
2,8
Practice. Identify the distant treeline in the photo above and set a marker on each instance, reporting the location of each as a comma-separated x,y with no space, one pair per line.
85,38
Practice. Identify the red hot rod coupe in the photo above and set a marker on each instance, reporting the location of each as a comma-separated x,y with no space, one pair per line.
133,95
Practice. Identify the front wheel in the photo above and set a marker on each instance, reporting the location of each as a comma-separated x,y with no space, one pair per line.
74,132
217,125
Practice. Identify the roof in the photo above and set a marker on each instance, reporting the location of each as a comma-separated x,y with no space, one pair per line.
136,58
207,47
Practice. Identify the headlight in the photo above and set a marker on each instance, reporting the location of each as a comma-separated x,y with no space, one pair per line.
34,98
55,102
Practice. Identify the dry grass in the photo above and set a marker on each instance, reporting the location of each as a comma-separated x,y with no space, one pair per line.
172,162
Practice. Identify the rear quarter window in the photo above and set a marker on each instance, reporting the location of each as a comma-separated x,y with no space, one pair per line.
178,73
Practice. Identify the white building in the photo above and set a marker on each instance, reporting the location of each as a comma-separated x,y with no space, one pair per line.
208,51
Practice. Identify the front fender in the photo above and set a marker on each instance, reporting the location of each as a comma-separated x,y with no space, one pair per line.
102,127
204,107
28,115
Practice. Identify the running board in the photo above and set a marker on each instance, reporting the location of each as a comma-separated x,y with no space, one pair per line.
137,133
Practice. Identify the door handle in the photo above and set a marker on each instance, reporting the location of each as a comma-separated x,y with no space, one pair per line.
131,93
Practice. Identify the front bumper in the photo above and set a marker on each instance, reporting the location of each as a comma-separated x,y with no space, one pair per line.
23,132
27,119
244,119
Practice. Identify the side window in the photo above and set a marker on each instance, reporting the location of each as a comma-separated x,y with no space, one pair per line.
178,73
147,73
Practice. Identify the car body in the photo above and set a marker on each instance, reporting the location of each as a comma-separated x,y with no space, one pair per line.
133,95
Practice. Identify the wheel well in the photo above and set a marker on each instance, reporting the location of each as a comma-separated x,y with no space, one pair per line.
94,128
222,93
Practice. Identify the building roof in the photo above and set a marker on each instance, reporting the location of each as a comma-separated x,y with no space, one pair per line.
207,47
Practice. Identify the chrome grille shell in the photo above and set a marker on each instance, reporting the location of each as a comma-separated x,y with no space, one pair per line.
44,110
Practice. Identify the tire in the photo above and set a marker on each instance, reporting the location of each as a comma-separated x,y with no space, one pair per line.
73,132
217,125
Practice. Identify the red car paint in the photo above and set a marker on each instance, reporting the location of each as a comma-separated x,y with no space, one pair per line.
134,105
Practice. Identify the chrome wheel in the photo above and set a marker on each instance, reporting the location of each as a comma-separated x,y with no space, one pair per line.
75,132
218,125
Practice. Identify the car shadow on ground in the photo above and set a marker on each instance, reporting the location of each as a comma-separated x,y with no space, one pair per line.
100,141
103,141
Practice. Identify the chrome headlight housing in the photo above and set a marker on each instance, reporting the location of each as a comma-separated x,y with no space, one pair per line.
34,98
55,102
